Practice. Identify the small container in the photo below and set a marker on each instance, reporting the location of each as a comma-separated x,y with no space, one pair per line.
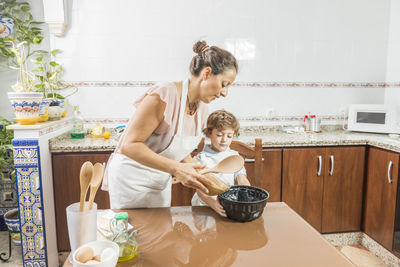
126,241
78,130
315,124
307,123
82,226
97,131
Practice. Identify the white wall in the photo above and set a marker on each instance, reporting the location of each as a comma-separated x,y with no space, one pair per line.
392,95
330,41
8,77
275,41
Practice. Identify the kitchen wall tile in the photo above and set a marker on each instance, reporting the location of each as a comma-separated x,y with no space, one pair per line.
274,40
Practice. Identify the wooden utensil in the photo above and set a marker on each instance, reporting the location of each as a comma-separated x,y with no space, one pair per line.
98,173
85,178
230,164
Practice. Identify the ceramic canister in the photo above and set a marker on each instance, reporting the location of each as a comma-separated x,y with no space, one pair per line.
12,221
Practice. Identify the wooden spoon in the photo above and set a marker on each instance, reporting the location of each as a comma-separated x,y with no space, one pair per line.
230,164
98,172
85,178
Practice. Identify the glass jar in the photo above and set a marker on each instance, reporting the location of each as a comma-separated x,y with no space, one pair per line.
126,240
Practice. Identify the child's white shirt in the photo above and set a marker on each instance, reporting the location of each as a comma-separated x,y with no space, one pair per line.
210,158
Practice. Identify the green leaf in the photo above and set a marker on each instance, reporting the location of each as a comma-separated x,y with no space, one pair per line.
53,63
55,52
40,69
54,95
40,52
38,60
25,8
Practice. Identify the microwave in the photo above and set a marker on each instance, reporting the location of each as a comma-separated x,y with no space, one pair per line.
374,118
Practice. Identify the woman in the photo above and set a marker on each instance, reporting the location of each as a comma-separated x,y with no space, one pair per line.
159,138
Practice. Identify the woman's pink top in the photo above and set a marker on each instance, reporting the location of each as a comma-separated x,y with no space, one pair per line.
163,134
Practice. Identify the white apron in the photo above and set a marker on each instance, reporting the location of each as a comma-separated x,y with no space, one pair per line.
133,185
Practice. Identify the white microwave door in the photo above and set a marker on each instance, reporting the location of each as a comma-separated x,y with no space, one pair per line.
369,121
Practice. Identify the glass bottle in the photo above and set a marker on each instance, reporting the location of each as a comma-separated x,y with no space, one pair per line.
125,240
78,130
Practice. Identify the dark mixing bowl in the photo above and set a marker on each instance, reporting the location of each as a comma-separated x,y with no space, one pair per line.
243,203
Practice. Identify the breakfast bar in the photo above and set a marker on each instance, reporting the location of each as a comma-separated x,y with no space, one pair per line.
197,236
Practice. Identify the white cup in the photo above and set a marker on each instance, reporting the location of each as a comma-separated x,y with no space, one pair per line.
82,226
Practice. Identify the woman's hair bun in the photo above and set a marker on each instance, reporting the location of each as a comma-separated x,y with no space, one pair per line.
199,46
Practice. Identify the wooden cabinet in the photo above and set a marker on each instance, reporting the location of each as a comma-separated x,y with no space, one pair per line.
380,195
325,185
66,169
271,173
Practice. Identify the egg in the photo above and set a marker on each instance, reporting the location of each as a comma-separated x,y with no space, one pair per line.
84,254
91,262
106,253
97,257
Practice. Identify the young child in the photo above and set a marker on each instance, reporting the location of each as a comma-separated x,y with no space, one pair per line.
222,126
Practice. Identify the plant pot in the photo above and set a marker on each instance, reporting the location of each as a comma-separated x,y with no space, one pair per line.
55,113
61,103
12,221
44,109
26,106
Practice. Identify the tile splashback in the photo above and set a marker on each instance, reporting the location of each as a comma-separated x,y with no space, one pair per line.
313,56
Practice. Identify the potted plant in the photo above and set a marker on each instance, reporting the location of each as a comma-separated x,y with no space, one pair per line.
7,173
48,80
15,48
24,99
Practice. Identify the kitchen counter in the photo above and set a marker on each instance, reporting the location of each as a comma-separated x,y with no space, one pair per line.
197,236
270,138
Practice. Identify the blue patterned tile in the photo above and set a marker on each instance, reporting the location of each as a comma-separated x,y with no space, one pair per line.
30,202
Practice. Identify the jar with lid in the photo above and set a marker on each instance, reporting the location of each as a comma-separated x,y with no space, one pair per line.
126,240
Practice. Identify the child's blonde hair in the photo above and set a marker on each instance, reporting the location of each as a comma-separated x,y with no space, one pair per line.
221,120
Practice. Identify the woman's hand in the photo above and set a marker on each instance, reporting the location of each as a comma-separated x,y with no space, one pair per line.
186,174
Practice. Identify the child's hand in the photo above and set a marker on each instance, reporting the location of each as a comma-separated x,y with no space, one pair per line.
215,205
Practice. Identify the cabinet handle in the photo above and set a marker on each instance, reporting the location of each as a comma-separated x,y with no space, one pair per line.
332,165
319,165
388,172
251,160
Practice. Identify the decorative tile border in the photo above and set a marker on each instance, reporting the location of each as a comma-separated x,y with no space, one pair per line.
53,128
30,204
250,118
106,121
243,84
291,118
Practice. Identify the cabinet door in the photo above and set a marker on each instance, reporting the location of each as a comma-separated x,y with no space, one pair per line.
343,189
271,175
66,170
302,182
380,195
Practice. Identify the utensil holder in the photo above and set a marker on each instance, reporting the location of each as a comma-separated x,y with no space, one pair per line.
82,226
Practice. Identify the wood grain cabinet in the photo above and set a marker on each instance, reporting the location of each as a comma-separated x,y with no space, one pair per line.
380,195
271,173
325,186
66,169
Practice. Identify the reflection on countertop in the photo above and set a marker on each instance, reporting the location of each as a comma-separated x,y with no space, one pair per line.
271,137
197,236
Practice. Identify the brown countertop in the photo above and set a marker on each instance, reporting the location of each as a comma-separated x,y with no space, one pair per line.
197,236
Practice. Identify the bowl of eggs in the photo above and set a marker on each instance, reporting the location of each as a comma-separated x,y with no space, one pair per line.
100,253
